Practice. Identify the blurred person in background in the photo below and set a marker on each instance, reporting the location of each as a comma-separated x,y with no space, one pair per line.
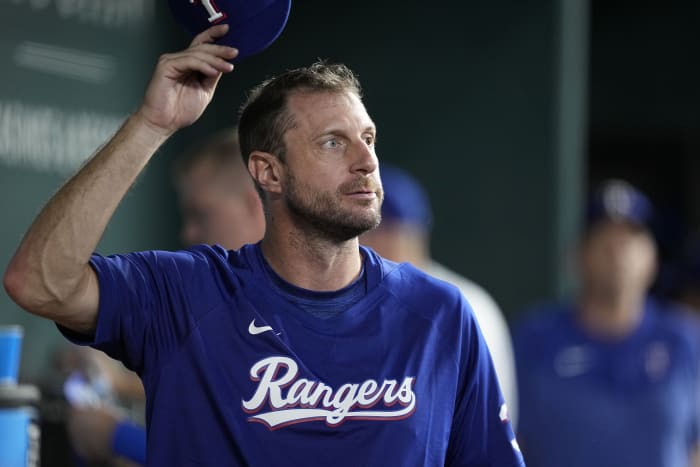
219,206
102,436
89,397
218,199
610,378
404,235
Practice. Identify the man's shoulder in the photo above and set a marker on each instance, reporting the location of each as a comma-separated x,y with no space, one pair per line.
166,258
442,272
197,264
414,287
478,297
413,280
243,259
675,322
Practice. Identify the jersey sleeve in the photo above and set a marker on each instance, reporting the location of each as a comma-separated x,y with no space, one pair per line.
482,433
496,333
149,303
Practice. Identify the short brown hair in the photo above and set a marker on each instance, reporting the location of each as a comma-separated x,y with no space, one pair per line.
264,118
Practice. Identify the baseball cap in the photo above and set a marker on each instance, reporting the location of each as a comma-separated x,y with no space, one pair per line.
619,201
405,200
253,24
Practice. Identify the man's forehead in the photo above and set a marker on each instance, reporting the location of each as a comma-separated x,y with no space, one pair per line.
310,108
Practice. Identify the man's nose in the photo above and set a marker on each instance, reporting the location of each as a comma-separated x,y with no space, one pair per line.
365,158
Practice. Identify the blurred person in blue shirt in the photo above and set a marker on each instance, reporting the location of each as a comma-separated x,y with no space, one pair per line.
610,377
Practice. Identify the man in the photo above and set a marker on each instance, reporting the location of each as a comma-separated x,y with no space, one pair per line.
220,205
611,378
404,235
304,349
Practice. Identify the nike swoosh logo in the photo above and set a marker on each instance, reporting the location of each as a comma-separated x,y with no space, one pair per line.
255,330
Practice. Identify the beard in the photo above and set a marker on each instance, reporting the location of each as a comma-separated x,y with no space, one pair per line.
323,213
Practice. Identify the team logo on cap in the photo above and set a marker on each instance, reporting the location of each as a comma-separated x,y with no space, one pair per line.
618,200
254,24
215,15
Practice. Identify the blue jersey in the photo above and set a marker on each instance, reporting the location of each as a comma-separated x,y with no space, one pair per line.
587,402
237,375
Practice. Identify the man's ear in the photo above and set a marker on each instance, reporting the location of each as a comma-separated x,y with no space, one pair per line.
265,168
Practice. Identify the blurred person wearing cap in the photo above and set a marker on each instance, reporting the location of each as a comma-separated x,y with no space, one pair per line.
610,378
305,348
404,235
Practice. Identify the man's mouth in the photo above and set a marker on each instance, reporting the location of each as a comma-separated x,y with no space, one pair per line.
363,194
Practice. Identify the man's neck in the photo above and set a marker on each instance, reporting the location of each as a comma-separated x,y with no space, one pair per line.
312,263
611,316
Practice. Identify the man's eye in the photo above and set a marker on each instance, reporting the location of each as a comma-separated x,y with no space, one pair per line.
331,144
370,140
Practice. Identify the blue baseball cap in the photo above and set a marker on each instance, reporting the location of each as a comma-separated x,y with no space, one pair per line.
619,201
405,200
253,24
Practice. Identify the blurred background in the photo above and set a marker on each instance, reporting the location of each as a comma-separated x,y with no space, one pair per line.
506,110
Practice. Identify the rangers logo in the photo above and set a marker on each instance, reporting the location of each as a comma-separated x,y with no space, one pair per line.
296,400
215,15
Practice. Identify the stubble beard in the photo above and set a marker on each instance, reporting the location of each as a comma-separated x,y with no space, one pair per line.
322,214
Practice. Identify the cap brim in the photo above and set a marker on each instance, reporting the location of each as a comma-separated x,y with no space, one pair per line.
250,37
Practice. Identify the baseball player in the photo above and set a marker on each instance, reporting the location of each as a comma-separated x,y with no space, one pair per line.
302,349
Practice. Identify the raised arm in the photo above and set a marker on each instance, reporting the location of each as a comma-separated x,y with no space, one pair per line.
49,274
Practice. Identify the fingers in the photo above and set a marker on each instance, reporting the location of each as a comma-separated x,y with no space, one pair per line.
184,82
208,59
210,35
203,55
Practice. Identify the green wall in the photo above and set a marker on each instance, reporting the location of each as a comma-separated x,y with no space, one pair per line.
71,71
466,96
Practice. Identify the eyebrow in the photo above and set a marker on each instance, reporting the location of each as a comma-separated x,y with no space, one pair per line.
338,130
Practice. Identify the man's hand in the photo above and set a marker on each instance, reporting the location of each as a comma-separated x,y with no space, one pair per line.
91,431
183,83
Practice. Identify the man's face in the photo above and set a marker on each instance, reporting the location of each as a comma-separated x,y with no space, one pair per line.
218,207
331,179
618,257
